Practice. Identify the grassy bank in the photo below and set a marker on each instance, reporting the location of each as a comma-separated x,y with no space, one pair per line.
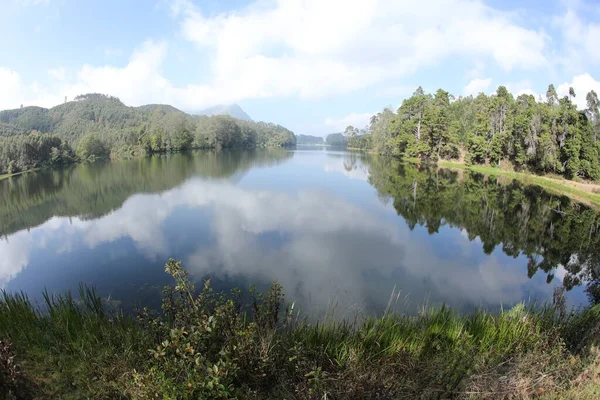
17,173
559,186
204,346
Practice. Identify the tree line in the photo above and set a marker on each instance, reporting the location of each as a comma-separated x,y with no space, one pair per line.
96,126
545,135
309,139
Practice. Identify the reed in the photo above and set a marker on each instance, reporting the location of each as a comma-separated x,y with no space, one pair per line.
211,345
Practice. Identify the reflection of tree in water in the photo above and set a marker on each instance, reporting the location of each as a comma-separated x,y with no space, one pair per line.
551,231
350,162
93,190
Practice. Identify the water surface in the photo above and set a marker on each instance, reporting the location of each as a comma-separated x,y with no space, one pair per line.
338,230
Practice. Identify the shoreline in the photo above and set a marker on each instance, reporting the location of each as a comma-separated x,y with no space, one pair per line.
6,176
560,186
564,187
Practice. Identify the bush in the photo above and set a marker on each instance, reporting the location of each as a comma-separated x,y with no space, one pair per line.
206,345
91,148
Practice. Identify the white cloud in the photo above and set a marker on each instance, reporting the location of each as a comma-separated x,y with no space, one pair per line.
15,255
139,82
521,87
326,243
57,73
476,86
580,39
476,71
353,169
582,84
357,120
317,48
310,49
10,82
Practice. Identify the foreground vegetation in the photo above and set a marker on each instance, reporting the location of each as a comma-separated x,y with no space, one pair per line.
211,346
96,126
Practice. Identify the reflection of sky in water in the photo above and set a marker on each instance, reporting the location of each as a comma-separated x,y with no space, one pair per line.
312,223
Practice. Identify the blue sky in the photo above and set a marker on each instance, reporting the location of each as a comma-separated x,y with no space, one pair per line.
314,66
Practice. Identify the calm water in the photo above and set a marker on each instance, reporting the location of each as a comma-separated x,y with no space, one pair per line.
338,230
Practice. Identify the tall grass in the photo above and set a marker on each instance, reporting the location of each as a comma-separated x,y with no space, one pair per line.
204,345
73,343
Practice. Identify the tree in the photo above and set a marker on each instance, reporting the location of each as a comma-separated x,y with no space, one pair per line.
351,131
91,148
541,136
124,131
551,96
335,139
593,113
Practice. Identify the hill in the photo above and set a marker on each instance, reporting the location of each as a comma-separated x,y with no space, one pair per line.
232,110
100,126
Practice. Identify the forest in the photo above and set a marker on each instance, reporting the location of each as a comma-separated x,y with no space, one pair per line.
542,136
96,126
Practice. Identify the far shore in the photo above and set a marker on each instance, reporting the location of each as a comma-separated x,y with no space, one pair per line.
584,192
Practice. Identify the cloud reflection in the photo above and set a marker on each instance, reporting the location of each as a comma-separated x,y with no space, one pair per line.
320,247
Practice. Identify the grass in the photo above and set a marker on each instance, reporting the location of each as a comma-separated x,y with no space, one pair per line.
205,345
550,184
5,176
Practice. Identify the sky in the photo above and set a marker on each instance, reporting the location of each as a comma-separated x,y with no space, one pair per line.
314,66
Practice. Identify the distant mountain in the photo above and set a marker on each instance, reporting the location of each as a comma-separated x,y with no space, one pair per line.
232,110
309,139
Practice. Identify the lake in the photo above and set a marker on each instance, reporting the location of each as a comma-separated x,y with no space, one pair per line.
341,231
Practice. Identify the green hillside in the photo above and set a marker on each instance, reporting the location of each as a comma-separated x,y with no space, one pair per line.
99,126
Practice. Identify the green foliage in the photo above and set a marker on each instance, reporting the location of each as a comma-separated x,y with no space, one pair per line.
543,137
24,152
359,142
309,139
336,139
207,345
59,344
99,126
91,148
477,150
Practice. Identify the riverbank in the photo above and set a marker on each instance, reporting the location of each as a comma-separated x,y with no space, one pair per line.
5,176
204,345
588,193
